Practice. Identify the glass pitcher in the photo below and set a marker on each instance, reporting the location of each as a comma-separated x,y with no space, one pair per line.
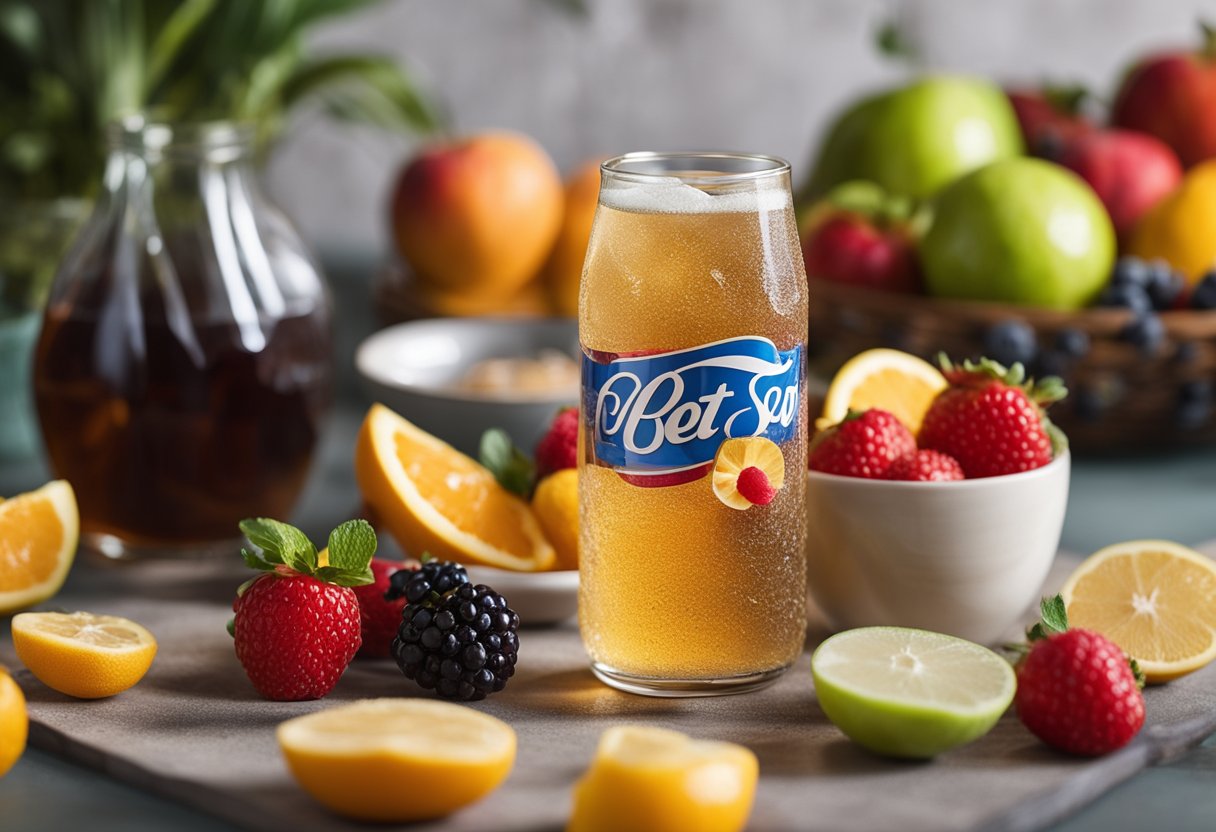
184,365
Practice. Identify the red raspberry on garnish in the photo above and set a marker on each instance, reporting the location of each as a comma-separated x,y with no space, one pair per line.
863,445
926,466
753,484
558,448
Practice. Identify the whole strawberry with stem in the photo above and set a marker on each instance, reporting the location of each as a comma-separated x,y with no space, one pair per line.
993,420
558,448
296,626
864,444
1077,691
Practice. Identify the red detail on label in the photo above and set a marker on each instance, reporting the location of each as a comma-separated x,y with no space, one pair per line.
601,357
665,480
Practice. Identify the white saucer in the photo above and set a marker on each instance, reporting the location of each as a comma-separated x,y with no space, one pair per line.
540,598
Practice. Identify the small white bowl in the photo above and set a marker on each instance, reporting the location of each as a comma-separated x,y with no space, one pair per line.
414,369
966,558
540,598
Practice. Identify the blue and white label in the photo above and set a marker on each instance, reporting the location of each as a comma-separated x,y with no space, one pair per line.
669,411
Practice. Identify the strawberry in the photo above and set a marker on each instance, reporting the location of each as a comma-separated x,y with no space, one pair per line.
296,627
861,236
925,466
862,445
1077,691
380,618
558,448
992,420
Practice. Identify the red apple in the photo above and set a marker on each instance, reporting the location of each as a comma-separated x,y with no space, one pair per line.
1050,117
1129,171
1172,95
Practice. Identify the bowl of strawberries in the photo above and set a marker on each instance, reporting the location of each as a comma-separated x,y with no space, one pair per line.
945,517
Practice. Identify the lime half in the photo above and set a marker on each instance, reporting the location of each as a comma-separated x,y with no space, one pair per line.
910,693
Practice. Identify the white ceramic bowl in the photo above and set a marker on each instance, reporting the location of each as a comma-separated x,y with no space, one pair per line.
412,368
540,598
966,558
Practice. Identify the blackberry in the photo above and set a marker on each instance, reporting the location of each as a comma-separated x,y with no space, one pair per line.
462,645
440,577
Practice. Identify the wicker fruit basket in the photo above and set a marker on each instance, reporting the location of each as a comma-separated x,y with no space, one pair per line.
1121,397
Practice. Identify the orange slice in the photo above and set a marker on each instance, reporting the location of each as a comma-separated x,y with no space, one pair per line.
81,654
38,536
894,381
1153,598
436,500
735,456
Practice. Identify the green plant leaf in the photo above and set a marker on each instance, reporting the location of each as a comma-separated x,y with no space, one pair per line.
168,44
281,543
368,88
352,545
509,465
1054,619
345,577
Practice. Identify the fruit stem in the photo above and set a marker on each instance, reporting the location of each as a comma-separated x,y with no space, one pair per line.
1208,33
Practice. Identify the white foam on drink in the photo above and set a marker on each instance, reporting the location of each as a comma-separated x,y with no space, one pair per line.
669,195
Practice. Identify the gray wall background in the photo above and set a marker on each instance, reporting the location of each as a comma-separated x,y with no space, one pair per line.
761,75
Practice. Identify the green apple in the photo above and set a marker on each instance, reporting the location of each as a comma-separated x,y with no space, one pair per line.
1019,231
915,139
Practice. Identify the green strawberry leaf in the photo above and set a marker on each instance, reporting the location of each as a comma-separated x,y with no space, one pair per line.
509,465
345,577
352,546
231,626
1137,672
255,561
1055,619
281,543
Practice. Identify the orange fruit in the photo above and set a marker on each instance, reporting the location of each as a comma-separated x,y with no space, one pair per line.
14,723
478,214
39,532
434,499
555,504
564,270
647,778
894,381
1153,598
1181,228
530,301
397,760
81,654
736,455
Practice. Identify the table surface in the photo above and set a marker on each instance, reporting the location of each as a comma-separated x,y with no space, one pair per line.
1112,499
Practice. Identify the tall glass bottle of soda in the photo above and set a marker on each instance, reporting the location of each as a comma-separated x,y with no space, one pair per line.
185,359
693,321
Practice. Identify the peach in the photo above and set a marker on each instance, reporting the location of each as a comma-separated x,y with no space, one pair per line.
564,269
478,215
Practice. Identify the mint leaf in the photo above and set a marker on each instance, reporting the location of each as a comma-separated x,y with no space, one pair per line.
509,465
281,543
256,561
352,545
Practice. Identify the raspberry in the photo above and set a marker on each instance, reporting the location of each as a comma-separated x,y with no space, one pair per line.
754,486
463,646
558,448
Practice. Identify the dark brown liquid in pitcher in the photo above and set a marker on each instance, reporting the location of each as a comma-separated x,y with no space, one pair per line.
171,431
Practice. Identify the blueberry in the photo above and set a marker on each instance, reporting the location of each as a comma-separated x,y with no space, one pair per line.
1010,342
1072,342
1164,285
1089,404
1196,390
1052,363
1186,352
1146,332
1126,296
1131,271
1204,296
